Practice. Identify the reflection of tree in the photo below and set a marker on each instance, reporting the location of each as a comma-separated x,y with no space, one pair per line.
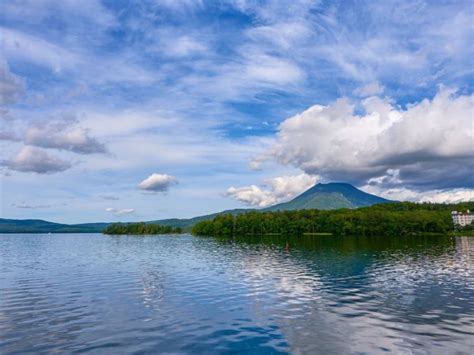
465,246
333,257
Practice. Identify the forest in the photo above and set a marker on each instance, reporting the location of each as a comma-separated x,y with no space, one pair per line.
400,218
140,228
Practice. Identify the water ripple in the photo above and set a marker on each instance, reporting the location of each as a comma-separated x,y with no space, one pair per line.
98,294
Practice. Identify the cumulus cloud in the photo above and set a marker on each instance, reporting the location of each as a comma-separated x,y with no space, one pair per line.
392,177
120,212
11,86
252,195
448,196
60,133
58,136
157,183
428,145
435,196
31,159
273,191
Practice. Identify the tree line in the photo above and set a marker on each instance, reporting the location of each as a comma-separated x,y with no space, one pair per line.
401,218
140,228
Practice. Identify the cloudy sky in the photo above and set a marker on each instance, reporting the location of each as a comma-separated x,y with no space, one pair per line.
141,110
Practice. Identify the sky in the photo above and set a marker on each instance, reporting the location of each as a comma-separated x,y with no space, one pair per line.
143,110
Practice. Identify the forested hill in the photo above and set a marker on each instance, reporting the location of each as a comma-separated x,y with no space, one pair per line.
41,226
401,218
321,196
140,229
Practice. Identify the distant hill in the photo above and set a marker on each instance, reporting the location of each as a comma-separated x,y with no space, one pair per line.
189,222
321,196
40,226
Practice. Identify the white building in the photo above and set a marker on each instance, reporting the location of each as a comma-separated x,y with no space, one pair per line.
462,219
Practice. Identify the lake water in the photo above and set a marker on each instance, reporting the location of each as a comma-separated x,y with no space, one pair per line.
183,294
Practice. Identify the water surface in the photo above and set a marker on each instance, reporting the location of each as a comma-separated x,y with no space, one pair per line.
313,295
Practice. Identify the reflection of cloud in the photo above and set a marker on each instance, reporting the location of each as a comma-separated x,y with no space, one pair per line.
358,295
152,289
285,275
402,272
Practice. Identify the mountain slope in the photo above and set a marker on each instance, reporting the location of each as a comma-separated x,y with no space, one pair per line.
40,226
328,197
189,222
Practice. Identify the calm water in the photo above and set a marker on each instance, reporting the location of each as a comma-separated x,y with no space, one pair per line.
322,295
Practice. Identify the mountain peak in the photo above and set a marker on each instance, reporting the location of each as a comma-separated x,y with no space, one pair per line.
335,184
327,196
330,187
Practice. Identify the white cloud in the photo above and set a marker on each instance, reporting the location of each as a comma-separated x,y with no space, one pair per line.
9,136
93,12
29,206
392,177
18,45
72,61
120,212
448,196
110,197
141,98
11,86
252,195
180,6
183,46
284,35
256,164
371,89
31,159
59,136
430,143
278,189
157,183
435,196
270,69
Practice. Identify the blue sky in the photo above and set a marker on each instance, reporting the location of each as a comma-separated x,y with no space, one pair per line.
140,110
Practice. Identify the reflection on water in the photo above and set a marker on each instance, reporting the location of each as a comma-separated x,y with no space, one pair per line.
314,294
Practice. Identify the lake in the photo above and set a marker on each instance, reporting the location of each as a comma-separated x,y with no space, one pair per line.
183,294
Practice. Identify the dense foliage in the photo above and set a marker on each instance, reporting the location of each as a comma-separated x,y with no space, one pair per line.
402,218
140,228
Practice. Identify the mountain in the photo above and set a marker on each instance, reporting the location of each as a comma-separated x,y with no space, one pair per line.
189,222
40,226
321,196
329,197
